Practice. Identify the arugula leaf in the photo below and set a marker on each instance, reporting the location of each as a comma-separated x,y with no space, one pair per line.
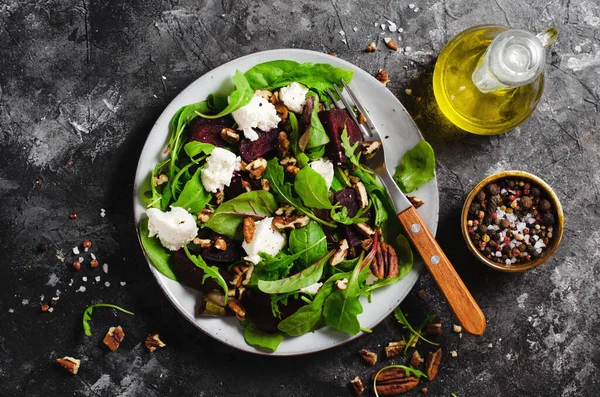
283,190
312,188
381,214
343,217
409,370
193,197
276,299
305,237
350,149
182,117
414,334
416,167
209,271
318,77
230,215
194,148
159,256
156,196
87,315
255,337
238,98
342,307
304,278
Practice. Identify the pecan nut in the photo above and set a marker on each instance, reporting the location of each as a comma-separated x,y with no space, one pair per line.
114,337
238,277
265,184
432,363
290,222
229,135
361,192
390,43
394,348
370,148
392,381
357,386
382,77
385,264
365,229
153,342
342,284
248,229
415,201
415,359
70,364
369,356
340,254
235,306
285,210
372,47
434,328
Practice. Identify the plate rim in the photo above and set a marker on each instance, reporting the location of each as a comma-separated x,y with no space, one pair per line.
286,54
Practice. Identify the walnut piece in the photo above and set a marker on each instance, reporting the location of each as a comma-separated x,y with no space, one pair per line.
370,148
285,210
204,215
202,242
246,185
415,201
432,363
415,359
382,76
219,197
114,337
229,135
357,386
283,144
340,254
372,47
248,229
265,184
292,169
385,264
394,348
153,342
220,244
264,94
369,356
393,381
282,111
342,284
290,222
257,167
238,277
70,364
159,180
288,161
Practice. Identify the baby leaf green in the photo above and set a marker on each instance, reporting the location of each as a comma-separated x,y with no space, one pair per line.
255,337
159,256
307,236
193,197
312,188
416,167
304,278
238,98
209,271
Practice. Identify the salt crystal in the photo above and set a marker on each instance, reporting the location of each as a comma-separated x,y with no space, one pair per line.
71,282
408,49
57,292
81,289
411,6
526,238
50,309
55,298
382,26
507,261
80,259
513,260
107,284
42,297
25,301
538,250
355,29
105,268
102,213
11,310
392,26
498,254
376,24
342,33
122,283
536,237
400,30
416,9
93,256
344,41
97,279
75,251
491,345
163,77
84,279
539,244
86,249
521,226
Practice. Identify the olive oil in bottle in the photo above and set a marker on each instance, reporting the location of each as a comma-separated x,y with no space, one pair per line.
488,79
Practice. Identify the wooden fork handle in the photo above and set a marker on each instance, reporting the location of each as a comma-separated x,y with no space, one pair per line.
462,303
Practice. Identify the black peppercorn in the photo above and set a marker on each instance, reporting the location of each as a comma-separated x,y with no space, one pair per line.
482,229
548,219
544,205
526,202
535,191
490,208
474,208
493,189
511,184
481,195
496,237
505,223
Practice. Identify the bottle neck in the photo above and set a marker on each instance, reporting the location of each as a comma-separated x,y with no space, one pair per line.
513,59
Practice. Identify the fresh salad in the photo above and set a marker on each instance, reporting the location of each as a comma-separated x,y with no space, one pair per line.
264,203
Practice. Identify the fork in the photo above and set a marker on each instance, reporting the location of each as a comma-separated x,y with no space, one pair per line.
462,303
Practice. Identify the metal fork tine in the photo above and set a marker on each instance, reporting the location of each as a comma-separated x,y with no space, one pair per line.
332,98
372,129
365,131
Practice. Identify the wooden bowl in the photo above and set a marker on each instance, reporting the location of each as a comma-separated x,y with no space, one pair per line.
557,231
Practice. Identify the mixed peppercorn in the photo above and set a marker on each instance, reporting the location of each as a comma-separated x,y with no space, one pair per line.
511,221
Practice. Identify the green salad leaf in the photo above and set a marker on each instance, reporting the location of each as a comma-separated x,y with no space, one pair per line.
294,139
255,337
317,135
312,188
194,148
229,216
316,76
87,315
311,235
156,196
238,98
416,167
350,149
209,271
304,278
158,255
193,197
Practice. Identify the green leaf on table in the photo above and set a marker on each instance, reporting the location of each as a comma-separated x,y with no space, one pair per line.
238,98
229,216
307,236
416,167
159,256
312,188
413,333
316,76
209,271
193,197
255,337
304,278
87,315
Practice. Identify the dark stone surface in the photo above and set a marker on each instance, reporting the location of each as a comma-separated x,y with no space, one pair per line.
81,84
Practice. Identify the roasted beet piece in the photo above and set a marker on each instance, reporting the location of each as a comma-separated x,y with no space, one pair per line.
258,310
230,254
251,150
191,275
236,187
347,198
334,120
209,130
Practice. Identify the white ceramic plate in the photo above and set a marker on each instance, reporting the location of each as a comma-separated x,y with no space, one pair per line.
393,122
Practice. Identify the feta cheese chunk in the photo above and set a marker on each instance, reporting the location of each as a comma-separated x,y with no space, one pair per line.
175,228
266,239
259,113
311,289
219,169
294,97
325,169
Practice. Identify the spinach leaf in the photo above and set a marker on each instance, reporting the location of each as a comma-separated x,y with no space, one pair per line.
182,117
159,256
238,98
307,236
87,315
294,138
230,215
167,196
342,307
209,271
416,167
318,135
319,77
194,148
312,188
283,190
304,278
255,337
193,197
315,153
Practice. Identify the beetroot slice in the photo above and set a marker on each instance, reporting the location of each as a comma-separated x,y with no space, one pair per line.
230,254
334,121
347,198
191,275
258,310
251,150
209,130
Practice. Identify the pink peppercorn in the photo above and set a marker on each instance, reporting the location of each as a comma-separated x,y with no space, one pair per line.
73,216
506,240
525,231
519,193
512,198
481,215
527,186
526,192
494,215
475,222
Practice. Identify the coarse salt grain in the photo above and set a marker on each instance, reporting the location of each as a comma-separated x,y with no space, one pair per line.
11,310
25,302
105,268
342,33
81,289
122,283
536,237
498,254
50,309
416,9
42,297
97,279
355,29
93,256
507,261
102,213
84,279
71,282
75,251
411,6
382,26
80,259
539,244
107,284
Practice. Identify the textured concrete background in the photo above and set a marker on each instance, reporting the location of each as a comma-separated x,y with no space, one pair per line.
82,82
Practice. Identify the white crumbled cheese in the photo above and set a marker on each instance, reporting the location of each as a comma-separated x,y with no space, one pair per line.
311,289
175,228
294,97
266,239
325,169
258,113
219,169
371,278
75,250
